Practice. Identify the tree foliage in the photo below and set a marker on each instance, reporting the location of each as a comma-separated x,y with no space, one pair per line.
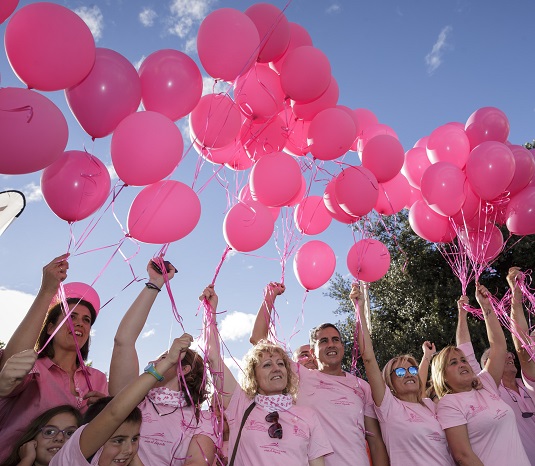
416,300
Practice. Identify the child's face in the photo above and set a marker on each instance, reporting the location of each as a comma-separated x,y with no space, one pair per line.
122,446
48,446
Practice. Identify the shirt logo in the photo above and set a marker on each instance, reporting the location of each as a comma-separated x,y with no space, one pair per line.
272,448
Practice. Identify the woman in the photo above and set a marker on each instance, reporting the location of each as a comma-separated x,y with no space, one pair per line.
58,376
45,435
409,427
480,427
266,427
175,430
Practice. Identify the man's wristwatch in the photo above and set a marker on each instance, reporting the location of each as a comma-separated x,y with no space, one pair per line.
150,369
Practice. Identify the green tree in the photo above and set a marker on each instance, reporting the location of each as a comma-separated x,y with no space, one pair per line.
416,300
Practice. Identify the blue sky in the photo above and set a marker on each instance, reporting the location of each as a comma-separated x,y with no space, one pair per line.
415,64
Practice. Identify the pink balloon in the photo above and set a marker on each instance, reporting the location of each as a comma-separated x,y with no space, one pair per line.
171,83
448,143
108,94
415,195
298,36
327,100
394,195
334,209
164,212
370,131
487,124
305,74
368,260
311,216
49,46
296,143
429,225
520,213
145,148
422,142
314,264
273,30
483,246
215,121
470,207
240,160
76,185
6,8
215,156
490,169
356,190
263,138
248,227
443,188
300,194
524,169
33,131
365,118
383,155
258,93
275,179
245,196
331,133
416,163
227,43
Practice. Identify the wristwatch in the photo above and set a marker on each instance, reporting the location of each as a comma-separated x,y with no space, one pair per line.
150,369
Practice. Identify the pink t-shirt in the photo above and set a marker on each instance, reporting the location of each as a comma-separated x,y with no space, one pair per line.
341,404
71,455
412,433
302,440
165,438
46,386
490,422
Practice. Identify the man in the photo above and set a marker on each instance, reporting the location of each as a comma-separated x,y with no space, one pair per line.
304,356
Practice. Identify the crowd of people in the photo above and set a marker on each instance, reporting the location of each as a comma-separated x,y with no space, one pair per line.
288,409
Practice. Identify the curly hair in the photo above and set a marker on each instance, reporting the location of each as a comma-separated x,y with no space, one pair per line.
387,372
438,371
52,317
35,427
254,356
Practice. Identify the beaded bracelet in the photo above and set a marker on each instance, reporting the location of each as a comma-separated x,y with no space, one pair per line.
152,286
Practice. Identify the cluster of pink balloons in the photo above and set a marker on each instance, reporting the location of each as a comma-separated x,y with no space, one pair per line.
465,179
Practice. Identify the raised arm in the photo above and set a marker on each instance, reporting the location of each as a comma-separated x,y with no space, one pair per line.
263,316
373,372
462,334
224,381
27,332
498,345
520,325
15,369
100,429
429,350
124,366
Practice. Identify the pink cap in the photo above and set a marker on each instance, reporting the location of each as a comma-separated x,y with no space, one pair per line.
81,291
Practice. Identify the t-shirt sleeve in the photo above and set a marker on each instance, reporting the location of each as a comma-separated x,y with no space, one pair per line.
206,426
386,407
369,405
529,383
70,454
318,445
449,412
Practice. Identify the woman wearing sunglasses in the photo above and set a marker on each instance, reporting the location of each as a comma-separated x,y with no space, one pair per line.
409,427
480,427
266,427
44,437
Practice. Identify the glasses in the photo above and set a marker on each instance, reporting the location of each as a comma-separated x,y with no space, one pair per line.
525,414
275,429
52,432
401,371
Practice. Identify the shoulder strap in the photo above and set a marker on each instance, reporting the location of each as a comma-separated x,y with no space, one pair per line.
245,416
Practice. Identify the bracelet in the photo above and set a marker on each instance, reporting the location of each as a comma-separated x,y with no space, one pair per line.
150,369
152,286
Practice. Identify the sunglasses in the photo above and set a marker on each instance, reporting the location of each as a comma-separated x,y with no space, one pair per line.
53,432
525,414
275,429
401,371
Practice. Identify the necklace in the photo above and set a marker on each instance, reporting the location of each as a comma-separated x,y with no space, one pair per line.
162,414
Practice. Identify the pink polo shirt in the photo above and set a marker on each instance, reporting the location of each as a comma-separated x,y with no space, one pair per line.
71,455
166,433
490,422
46,386
412,433
341,402
303,438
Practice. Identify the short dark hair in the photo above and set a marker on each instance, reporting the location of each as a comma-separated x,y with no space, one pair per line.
94,409
315,330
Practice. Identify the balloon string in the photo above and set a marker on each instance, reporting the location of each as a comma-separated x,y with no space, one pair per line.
218,268
25,108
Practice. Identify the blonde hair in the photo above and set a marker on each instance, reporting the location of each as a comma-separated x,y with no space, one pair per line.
387,372
254,356
438,371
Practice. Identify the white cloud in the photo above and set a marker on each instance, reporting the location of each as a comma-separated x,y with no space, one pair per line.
13,307
147,17
137,64
92,16
186,15
235,366
211,86
236,325
92,332
434,58
32,192
148,333
334,8
191,46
